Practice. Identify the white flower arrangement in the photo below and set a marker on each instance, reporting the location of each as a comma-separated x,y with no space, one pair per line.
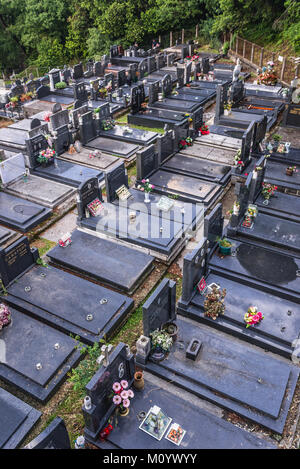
161,339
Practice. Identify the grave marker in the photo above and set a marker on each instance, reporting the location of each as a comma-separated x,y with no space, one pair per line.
87,192
114,179
213,225
55,436
146,162
160,308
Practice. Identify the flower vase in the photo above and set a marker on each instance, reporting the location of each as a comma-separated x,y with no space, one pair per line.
226,112
123,412
147,198
236,210
138,381
157,355
225,250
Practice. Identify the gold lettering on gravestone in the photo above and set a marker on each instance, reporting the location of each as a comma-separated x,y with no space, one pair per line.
18,251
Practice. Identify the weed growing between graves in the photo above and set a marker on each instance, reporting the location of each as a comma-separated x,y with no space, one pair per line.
43,245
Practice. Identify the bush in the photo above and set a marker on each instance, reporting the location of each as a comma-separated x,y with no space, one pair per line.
61,85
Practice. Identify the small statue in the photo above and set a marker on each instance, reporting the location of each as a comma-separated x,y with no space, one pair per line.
237,71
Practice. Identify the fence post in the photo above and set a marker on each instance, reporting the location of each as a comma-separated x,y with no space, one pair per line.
230,41
297,68
283,69
244,48
197,30
236,44
261,57
182,36
252,53
171,38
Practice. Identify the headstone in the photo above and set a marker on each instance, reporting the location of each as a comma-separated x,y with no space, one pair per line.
160,308
80,92
121,77
180,76
65,74
87,192
153,92
160,61
291,116
213,225
197,70
109,78
197,119
114,179
133,68
242,192
237,91
194,269
55,436
33,85
56,108
12,169
247,143
205,65
113,51
170,59
59,119
151,64
98,69
99,389
165,146
54,77
17,89
62,139
222,98
142,68
87,127
146,162
259,133
34,145
76,113
187,73
15,259
257,179
166,85
137,97
78,71
42,92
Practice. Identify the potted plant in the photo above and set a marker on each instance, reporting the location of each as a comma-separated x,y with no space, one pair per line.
214,302
61,85
161,343
146,187
121,397
224,245
227,108
290,170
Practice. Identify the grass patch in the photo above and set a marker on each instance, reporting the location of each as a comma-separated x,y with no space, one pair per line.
44,245
131,171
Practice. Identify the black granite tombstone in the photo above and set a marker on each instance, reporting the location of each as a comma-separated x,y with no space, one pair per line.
77,71
146,162
87,127
80,92
114,179
194,268
87,192
153,92
120,366
165,146
205,65
159,309
34,146
213,225
166,85
222,98
291,116
55,436
180,76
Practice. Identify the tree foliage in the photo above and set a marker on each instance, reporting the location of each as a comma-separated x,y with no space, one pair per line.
48,33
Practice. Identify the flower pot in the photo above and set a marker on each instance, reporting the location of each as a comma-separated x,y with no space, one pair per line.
147,198
289,172
172,330
236,210
123,413
157,355
225,250
226,112
139,381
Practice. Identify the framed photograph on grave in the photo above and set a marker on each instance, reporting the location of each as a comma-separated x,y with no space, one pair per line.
95,207
155,423
123,193
175,434
165,204
201,286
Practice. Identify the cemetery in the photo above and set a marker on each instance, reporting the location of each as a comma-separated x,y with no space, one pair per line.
149,231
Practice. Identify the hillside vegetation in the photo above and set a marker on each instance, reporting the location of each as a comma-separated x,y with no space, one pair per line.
48,33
